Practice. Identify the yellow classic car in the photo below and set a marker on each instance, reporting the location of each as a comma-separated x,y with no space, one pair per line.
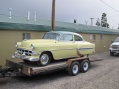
55,45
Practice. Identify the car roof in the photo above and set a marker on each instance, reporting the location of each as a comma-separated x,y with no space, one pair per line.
64,32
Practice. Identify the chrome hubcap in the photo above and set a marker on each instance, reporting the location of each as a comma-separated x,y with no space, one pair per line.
44,59
85,66
75,69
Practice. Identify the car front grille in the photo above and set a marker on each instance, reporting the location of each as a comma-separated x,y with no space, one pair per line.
115,46
26,52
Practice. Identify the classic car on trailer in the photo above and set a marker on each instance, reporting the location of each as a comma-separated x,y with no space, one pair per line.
55,45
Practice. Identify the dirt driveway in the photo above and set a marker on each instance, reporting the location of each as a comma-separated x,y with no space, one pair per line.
101,75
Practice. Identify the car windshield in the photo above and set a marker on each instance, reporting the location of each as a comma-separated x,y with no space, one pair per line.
116,40
55,36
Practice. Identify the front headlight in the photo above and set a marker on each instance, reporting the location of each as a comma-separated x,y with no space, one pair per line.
110,46
32,46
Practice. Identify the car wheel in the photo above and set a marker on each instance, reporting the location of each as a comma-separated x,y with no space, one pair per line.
44,59
111,53
74,69
84,66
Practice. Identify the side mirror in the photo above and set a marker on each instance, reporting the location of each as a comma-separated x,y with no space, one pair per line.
112,41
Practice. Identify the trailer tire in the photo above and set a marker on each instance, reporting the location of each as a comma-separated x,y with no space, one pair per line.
44,59
85,66
74,69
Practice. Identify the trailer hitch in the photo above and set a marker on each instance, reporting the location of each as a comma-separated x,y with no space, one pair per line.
6,71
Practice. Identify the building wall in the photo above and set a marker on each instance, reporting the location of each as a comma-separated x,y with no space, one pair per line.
8,39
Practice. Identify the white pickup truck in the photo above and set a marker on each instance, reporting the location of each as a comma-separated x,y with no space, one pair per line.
114,47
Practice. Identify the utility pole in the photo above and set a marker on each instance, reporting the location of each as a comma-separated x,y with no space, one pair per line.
91,21
53,15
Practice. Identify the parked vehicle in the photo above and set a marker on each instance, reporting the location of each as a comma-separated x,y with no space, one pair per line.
55,45
114,47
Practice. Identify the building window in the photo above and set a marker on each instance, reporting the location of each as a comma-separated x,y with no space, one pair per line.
93,37
101,37
26,36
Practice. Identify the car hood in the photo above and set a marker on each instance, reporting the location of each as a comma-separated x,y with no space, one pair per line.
35,42
115,43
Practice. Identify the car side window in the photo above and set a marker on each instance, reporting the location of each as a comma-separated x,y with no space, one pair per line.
51,36
67,37
77,38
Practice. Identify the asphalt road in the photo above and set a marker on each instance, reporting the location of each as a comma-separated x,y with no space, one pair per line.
101,75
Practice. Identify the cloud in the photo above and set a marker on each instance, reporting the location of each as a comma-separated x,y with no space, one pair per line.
66,10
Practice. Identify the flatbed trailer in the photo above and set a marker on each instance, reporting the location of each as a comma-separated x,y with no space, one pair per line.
16,67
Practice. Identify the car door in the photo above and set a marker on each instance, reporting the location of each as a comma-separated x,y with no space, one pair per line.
67,46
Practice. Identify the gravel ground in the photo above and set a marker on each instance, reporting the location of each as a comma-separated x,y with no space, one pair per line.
101,75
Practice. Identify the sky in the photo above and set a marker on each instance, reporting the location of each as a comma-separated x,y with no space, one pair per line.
66,10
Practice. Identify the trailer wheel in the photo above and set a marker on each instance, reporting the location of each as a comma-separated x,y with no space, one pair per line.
85,66
74,69
44,59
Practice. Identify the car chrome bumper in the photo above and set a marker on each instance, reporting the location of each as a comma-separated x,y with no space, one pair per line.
24,57
114,50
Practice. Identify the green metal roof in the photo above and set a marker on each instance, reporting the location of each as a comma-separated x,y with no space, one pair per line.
21,23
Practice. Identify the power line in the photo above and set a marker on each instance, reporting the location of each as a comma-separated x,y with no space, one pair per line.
109,5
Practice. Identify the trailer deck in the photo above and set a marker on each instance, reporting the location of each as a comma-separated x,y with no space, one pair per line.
31,68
